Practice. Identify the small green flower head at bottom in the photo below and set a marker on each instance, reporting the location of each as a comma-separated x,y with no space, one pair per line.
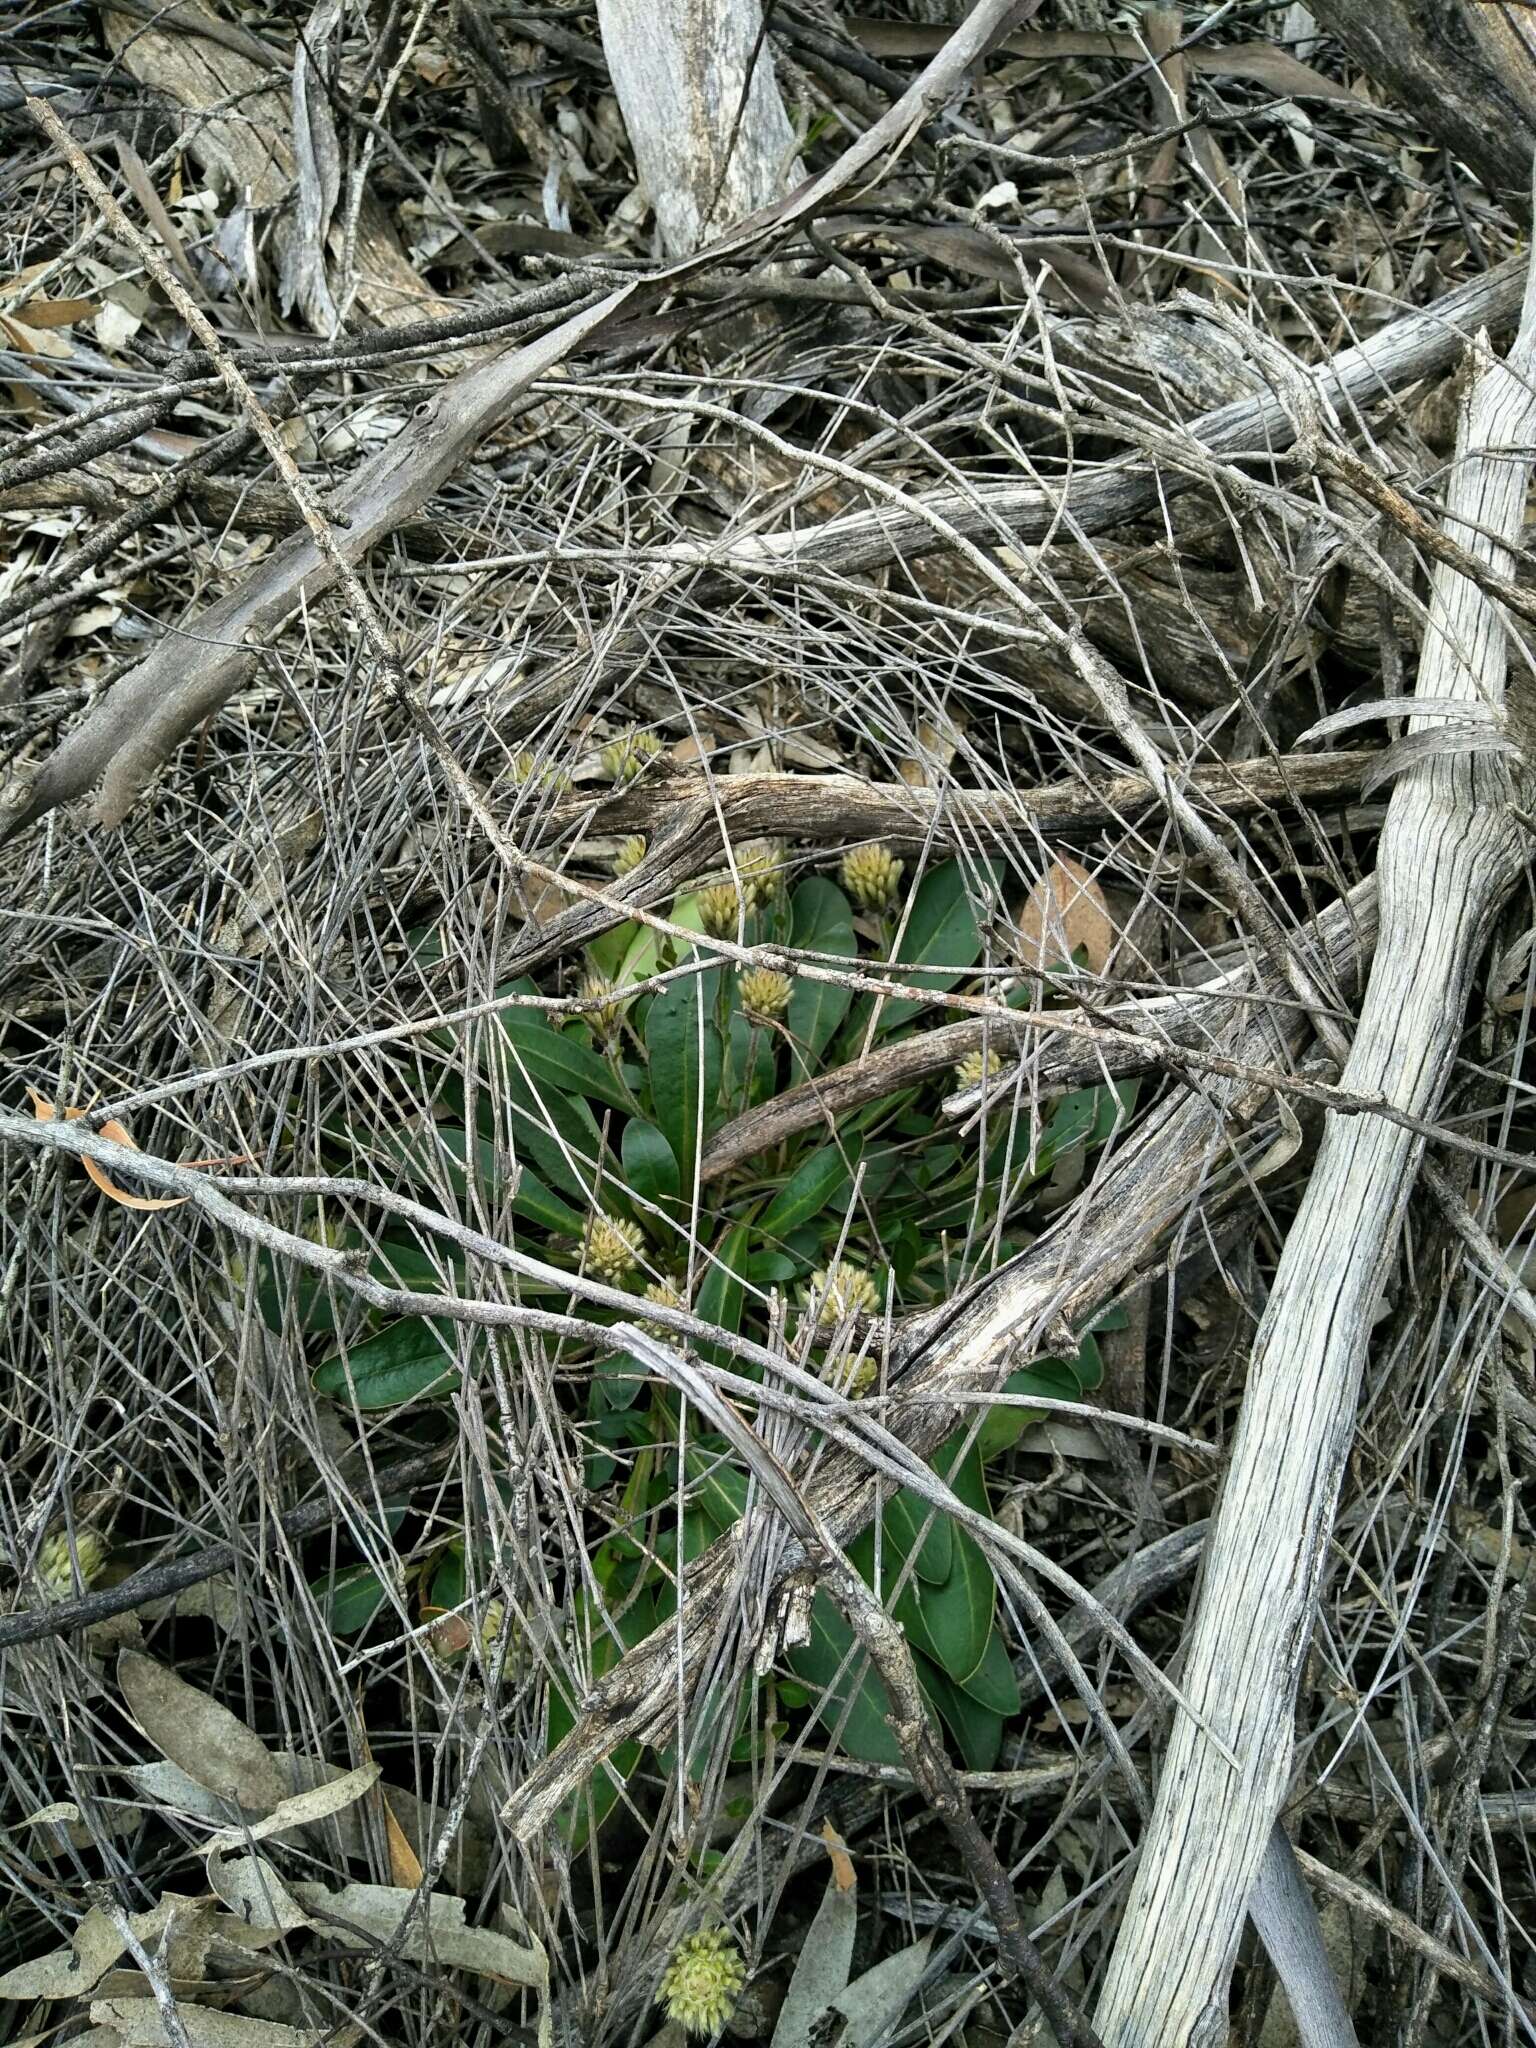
976,1067
764,994
627,757
56,1568
612,1246
629,856
718,910
843,1290
872,876
703,1981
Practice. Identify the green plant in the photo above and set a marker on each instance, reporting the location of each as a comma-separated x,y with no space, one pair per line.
606,1114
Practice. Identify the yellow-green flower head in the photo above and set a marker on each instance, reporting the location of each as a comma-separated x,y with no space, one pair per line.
703,1981
872,876
55,1567
764,994
717,910
630,754
612,1246
665,1294
761,874
607,1006
451,1635
841,1291
629,856
526,768
976,1067
854,1379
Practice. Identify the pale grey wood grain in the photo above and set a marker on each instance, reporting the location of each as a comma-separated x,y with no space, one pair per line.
1450,849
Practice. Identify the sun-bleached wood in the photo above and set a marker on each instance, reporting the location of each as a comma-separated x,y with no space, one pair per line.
696,83
1450,850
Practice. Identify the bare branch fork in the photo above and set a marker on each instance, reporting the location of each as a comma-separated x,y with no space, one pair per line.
1450,851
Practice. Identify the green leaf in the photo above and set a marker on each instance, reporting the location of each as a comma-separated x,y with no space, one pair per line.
751,1073
770,1269
941,932
683,1045
719,1490
951,1622
911,1524
551,1058
993,1683
722,1292
977,1730
405,1362
819,1660
818,1177
821,922
450,1581
349,1599
650,1165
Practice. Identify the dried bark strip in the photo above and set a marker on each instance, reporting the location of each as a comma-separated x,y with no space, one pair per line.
1450,850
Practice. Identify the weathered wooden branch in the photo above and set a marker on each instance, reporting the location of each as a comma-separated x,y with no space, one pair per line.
706,120
1465,70
1450,850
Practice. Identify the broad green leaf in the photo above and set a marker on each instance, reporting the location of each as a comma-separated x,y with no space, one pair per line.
722,1292
349,1599
718,1490
683,1045
818,1177
650,1165
909,1517
977,1730
1048,1377
405,1362
552,1058
424,1148
821,922
751,1073
993,1684
820,1661
450,1582
557,1134
951,1622
770,1269
941,933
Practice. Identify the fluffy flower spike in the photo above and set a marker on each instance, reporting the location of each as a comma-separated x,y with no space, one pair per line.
764,994
629,856
630,754
612,1246
55,1567
977,1067
841,1291
717,910
872,876
703,1981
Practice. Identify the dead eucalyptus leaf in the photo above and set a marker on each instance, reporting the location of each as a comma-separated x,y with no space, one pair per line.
1065,912
826,1954
213,1746
42,1109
